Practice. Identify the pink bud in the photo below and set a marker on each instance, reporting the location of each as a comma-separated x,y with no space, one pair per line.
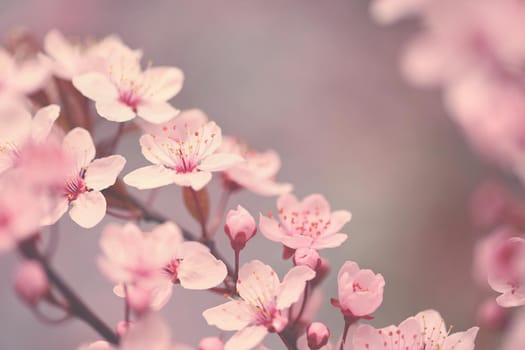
31,282
317,335
211,343
240,227
491,315
123,327
307,257
139,299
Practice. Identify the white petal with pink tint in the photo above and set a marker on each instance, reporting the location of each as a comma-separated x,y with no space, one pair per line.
199,269
271,229
43,122
219,161
247,338
79,144
88,209
293,285
231,316
95,86
114,111
103,172
163,82
151,176
156,112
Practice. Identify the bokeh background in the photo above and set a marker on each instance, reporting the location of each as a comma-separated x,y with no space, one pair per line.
318,81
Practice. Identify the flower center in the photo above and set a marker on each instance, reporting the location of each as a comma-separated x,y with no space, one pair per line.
305,222
130,99
76,186
171,270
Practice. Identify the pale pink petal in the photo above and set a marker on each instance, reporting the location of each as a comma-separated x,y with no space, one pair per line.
57,212
366,337
156,112
264,187
423,62
431,320
114,110
411,329
161,294
98,345
230,316
196,180
293,286
200,269
271,229
461,340
103,172
151,176
64,54
316,203
219,161
154,152
88,209
95,86
257,282
43,122
79,144
338,219
509,299
210,137
329,241
246,338
150,332
163,82
297,241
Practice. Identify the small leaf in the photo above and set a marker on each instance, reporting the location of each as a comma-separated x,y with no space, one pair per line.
197,203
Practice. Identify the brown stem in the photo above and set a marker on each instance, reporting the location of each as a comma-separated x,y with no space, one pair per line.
285,341
200,214
76,306
345,333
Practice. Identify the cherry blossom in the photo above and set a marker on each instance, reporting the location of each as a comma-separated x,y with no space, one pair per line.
305,224
17,128
183,151
31,282
156,260
257,173
425,331
240,227
86,178
317,335
123,90
262,304
69,59
360,291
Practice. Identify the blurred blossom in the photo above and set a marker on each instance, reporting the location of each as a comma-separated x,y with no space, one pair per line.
31,282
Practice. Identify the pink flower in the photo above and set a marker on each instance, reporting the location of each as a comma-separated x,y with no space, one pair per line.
17,128
307,257
425,331
211,343
156,260
123,90
240,227
306,224
492,316
317,335
86,179
262,305
183,152
486,256
257,173
388,11
31,282
71,59
360,291
507,272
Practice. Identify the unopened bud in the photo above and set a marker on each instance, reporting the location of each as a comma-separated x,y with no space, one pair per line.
240,227
211,343
491,315
307,257
123,327
31,282
317,335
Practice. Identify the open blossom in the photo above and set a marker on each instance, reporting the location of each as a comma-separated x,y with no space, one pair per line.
69,59
507,272
18,127
425,331
257,173
262,305
20,78
360,291
183,151
122,90
86,179
305,224
156,260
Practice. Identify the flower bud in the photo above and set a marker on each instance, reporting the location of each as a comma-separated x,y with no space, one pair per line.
240,227
317,335
307,257
491,315
122,328
211,343
31,282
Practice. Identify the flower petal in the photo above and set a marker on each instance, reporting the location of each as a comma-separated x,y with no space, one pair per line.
271,229
151,176
246,338
79,144
461,340
95,86
329,241
219,161
103,172
88,209
156,112
114,110
163,82
196,180
200,269
366,337
230,316
43,122
152,150
293,285
257,282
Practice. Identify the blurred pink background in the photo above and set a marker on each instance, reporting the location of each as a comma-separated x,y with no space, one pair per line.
319,82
